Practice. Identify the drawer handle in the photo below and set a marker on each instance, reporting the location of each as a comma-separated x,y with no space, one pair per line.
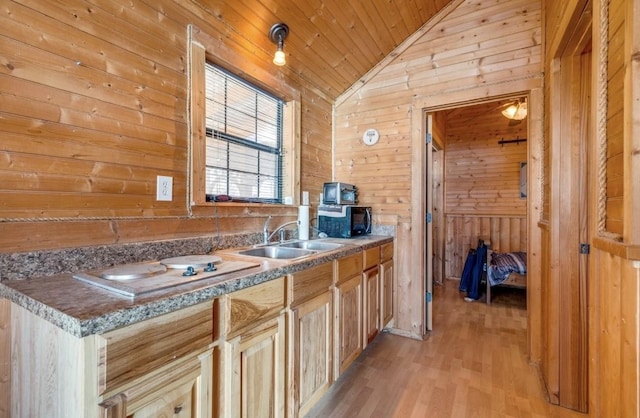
177,409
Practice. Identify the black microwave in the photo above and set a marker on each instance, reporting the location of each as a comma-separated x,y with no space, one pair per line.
344,221
337,193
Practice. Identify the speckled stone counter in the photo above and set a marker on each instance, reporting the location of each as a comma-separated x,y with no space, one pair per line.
82,309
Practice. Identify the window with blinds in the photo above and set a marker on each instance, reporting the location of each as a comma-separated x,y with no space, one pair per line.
244,139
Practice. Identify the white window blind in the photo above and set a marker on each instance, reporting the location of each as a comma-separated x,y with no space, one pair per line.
244,139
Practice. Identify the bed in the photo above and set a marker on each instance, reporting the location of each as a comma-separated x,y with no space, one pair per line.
506,270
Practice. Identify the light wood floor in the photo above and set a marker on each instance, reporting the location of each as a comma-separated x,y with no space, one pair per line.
473,364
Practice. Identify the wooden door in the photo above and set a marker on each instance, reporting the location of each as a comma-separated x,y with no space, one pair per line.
371,304
184,389
428,215
565,358
386,292
312,356
348,327
437,217
253,377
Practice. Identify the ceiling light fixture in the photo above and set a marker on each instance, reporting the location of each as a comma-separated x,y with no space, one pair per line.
278,33
516,111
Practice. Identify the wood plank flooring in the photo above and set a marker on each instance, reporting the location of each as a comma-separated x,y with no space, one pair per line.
474,364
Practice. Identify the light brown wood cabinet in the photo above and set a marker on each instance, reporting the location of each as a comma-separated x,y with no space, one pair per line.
181,390
348,323
254,378
178,402
371,288
310,336
158,367
386,284
348,312
252,368
269,350
371,314
162,364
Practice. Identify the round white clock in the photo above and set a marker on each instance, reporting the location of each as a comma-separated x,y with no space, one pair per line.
370,136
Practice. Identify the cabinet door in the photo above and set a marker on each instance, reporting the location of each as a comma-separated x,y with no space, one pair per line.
348,325
179,402
256,374
311,334
371,305
182,389
131,352
386,292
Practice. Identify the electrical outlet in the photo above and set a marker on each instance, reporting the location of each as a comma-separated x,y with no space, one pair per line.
164,188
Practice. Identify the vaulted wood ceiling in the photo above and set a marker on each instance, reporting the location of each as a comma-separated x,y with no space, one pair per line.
331,43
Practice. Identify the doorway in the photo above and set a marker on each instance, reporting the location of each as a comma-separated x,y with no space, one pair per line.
474,155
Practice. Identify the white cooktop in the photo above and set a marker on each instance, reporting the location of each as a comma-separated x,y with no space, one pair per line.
136,279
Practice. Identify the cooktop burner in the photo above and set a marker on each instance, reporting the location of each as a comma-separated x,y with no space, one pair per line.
189,263
133,271
136,279
195,261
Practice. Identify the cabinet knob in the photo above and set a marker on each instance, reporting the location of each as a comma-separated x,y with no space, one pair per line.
177,409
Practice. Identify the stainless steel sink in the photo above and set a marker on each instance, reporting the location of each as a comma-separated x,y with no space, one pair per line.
279,252
312,245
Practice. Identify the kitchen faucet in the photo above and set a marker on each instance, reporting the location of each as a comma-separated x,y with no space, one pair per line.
265,230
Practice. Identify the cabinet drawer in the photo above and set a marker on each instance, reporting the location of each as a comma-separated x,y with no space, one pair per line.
371,258
311,282
133,351
348,266
386,251
250,306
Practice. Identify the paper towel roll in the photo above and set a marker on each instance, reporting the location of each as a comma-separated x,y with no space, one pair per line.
303,219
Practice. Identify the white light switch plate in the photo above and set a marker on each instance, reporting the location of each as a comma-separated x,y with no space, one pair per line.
164,188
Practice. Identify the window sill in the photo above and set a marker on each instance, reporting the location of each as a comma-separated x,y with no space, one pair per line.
204,209
619,249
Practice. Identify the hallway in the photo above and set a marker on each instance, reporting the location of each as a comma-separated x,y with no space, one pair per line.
473,364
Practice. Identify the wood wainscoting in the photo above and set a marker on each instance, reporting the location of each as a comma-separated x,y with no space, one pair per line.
505,234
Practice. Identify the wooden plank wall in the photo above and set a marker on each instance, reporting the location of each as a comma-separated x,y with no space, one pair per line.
506,234
557,14
483,177
93,102
615,117
478,45
614,294
382,171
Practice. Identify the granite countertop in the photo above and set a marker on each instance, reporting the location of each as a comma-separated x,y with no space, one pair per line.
83,309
